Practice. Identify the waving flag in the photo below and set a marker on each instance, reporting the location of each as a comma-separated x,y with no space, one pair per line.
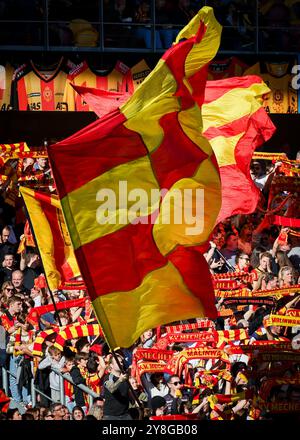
235,123
51,236
140,269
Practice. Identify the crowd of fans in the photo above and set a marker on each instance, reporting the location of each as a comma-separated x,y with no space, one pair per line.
244,250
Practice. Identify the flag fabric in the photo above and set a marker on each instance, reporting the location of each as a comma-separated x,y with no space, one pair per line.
139,270
51,236
235,123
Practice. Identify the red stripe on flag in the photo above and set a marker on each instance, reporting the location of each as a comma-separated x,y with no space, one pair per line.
104,146
215,89
190,263
176,64
119,261
177,157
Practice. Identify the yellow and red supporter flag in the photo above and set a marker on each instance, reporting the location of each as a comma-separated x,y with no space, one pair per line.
51,236
235,123
140,271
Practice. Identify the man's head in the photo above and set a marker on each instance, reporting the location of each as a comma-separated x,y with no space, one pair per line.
231,242
258,168
14,305
114,366
81,359
17,279
57,411
265,260
242,260
5,234
174,385
8,261
82,345
42,163
69,364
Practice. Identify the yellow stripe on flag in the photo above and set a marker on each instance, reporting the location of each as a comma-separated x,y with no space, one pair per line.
146,307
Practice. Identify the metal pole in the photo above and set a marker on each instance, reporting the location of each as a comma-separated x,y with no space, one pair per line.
62,390
5,380
33,393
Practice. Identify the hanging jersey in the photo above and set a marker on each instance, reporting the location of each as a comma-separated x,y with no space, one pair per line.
6,73
283,97
82,75
221,69
40,90
137,74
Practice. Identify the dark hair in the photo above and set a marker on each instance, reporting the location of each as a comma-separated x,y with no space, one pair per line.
80,343
254,259
92,365
172,377
80,356
10,413
79,409
27,416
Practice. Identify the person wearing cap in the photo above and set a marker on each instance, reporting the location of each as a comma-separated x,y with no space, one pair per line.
116,391
158,406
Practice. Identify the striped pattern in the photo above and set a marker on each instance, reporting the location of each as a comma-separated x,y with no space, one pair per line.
51,237
139,274
76,331
235,123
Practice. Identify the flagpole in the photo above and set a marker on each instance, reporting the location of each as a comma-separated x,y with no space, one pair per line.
36,242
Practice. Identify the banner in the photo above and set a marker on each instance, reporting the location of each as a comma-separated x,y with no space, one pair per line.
284,321
201,323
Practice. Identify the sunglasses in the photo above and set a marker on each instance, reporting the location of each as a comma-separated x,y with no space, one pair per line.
176,383
9,289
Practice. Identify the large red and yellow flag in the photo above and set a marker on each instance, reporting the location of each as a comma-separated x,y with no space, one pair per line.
51,236
143,268
235,123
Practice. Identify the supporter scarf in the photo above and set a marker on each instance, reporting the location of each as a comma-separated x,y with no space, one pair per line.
279,356
288,170
282,407
36,312
245,276
268,301
37,349
76,331
285,221
293,312
148,367
201,323
278,157
258,293
267,385
12,151
151,354
283,320
178,361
